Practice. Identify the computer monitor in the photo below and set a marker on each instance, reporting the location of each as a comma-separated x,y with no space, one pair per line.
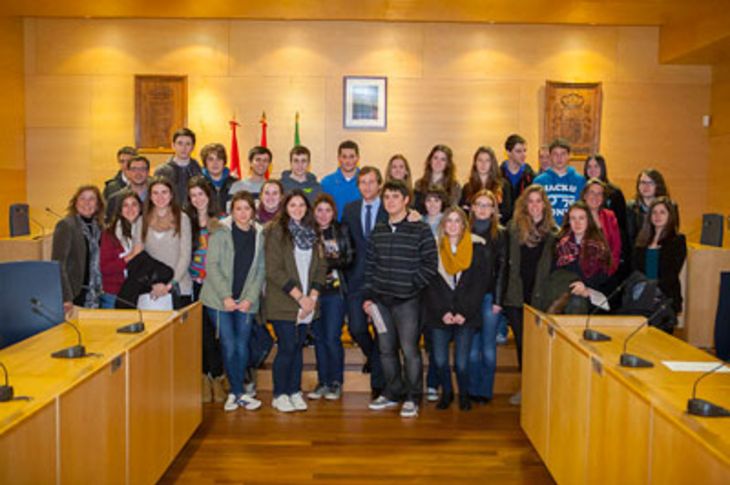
20,282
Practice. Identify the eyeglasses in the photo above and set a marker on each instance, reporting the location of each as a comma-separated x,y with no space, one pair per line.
484,206
647,182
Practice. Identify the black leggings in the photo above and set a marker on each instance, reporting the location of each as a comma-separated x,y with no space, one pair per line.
515,317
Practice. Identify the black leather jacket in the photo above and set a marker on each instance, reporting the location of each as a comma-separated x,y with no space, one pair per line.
337,261
496,273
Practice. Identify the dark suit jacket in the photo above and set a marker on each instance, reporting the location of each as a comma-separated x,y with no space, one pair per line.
69,249
672,255
351,218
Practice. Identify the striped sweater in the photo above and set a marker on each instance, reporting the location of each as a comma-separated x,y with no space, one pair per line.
401,260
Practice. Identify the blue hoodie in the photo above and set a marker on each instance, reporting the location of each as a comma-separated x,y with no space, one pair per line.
562,191
342,190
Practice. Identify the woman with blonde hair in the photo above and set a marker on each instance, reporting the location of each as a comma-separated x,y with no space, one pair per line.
453,301
531,246
76,246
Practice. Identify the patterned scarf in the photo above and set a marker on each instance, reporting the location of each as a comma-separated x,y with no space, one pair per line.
304,237
92,234
591,255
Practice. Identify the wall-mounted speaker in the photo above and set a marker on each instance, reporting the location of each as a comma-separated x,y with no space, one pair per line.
712,227
19,220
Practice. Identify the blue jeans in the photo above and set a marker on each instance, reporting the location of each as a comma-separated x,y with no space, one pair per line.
358,327
462,336
483,355
260,346
235,332
327,331
502,328
107,301
432,378
287,369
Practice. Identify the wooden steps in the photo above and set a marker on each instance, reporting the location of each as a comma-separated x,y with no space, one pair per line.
506,381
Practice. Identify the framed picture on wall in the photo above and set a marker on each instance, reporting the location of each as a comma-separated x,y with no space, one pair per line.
365,103
160,108
573,112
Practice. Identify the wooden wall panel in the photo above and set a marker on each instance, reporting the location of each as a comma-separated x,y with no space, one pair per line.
12,119
462,84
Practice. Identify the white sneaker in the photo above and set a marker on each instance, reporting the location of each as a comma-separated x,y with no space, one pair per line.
231,404
282,404
381,403
248,403
432,394
318,393
516,399
249,388
334,392
409,410
297,400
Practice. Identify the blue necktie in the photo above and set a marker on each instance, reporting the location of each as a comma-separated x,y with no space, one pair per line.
368,219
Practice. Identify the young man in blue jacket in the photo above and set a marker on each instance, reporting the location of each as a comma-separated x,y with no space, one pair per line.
342,183
563,184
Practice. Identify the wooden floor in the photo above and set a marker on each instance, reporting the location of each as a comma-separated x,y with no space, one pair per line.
344,442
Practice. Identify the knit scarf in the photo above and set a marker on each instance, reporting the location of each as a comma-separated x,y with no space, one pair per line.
304,237
459,261
92,234
592,259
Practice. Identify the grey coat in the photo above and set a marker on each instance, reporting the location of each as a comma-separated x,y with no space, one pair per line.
69,249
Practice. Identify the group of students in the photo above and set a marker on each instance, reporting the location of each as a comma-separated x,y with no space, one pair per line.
396,259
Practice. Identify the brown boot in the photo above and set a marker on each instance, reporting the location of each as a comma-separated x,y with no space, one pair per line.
219,393
207,392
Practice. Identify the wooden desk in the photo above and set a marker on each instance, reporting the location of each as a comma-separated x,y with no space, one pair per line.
704,265
119,417
593,421
26,248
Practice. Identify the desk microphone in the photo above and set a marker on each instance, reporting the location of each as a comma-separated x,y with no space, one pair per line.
701,407
631,360
594,335
135,327
43,228
53,213
73,352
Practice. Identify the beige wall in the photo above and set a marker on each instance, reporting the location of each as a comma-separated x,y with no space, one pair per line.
12,128
719,166
460,84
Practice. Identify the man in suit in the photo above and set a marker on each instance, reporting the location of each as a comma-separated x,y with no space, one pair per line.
360,217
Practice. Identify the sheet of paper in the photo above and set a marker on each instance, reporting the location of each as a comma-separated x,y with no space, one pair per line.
378,321
598,299
146,302
685,366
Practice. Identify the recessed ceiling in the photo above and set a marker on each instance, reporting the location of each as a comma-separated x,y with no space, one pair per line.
598,12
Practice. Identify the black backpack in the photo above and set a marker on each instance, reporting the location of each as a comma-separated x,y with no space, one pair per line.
642,296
